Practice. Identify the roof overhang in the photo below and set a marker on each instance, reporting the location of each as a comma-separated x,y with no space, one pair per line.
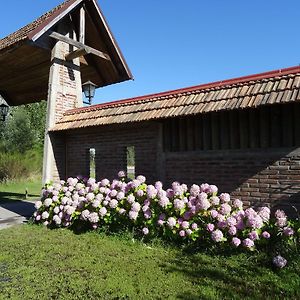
25,56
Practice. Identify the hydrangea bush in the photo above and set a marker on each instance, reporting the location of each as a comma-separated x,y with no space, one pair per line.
198,214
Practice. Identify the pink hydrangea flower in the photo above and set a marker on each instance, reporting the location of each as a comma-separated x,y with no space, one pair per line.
102,212
145,231
236,241
182,233
210,227
217,236
266,235
133,215
171,222
248,243
225,197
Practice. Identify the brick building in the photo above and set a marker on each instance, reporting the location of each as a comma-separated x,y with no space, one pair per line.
241,134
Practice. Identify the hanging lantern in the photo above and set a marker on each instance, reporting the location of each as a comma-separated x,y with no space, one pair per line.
88,89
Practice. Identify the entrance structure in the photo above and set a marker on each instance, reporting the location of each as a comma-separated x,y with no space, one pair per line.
51,57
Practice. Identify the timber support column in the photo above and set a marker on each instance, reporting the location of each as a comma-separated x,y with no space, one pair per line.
64,93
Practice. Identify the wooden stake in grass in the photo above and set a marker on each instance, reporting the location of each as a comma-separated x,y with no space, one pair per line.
26,193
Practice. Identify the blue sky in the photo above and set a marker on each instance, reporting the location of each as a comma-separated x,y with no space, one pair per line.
172,44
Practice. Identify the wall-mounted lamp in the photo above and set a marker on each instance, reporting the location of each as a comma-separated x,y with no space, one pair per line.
88,89
4,111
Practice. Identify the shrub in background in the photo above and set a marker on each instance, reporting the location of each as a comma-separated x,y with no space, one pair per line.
197,215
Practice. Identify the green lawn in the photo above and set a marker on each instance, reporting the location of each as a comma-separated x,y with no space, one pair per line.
13,191
38,263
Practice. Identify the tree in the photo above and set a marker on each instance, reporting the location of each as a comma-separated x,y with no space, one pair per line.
25,128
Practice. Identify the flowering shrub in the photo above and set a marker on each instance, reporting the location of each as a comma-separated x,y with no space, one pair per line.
197,214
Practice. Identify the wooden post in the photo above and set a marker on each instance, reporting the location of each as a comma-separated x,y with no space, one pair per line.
82,26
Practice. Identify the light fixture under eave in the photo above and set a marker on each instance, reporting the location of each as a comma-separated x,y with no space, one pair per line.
4,111
88,89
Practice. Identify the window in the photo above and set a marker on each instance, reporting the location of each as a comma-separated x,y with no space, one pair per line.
130,160
92,162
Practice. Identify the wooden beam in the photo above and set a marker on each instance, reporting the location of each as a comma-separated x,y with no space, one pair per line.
82,26
59,37
77,53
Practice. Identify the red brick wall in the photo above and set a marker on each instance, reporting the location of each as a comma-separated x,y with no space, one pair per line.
264,176
110,143
269,176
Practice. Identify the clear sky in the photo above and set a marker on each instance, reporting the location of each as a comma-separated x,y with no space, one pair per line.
171,44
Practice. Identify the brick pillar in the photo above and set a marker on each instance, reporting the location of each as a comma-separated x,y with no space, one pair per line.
64,93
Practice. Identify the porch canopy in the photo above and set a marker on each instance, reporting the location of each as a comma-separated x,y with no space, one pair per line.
25,55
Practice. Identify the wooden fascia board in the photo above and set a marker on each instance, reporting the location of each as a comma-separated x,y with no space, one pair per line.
88,49
119,53
38,32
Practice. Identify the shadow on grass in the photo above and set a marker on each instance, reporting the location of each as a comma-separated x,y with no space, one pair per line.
230,277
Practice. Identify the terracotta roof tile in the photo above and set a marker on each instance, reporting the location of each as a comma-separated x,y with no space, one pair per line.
251,91
24,32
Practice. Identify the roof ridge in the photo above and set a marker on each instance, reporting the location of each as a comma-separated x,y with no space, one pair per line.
192,89
25,31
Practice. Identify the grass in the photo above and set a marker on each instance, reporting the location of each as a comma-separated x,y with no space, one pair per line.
15,190
38,263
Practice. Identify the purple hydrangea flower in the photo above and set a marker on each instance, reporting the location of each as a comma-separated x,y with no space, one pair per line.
182,233
214,213
113,203
225,209
93,217
279,261
264,213
38,204
253,235
266,235
215,200
224,197
237,203
121,174
141,179
164,202
210,227
133,215
248,243
288,231
45,215
145,230
217,236
48,202
140,193
195,190
232,230
102,212
136,207
189,231
158,185
213,189
185,224
236,241
151,191
171,222
194,226
178,204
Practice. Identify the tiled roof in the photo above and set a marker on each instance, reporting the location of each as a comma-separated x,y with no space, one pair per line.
250,91
25,32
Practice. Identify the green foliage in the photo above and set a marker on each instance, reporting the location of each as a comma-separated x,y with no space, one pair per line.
20,165
25,128
15,190
37,263
21,141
